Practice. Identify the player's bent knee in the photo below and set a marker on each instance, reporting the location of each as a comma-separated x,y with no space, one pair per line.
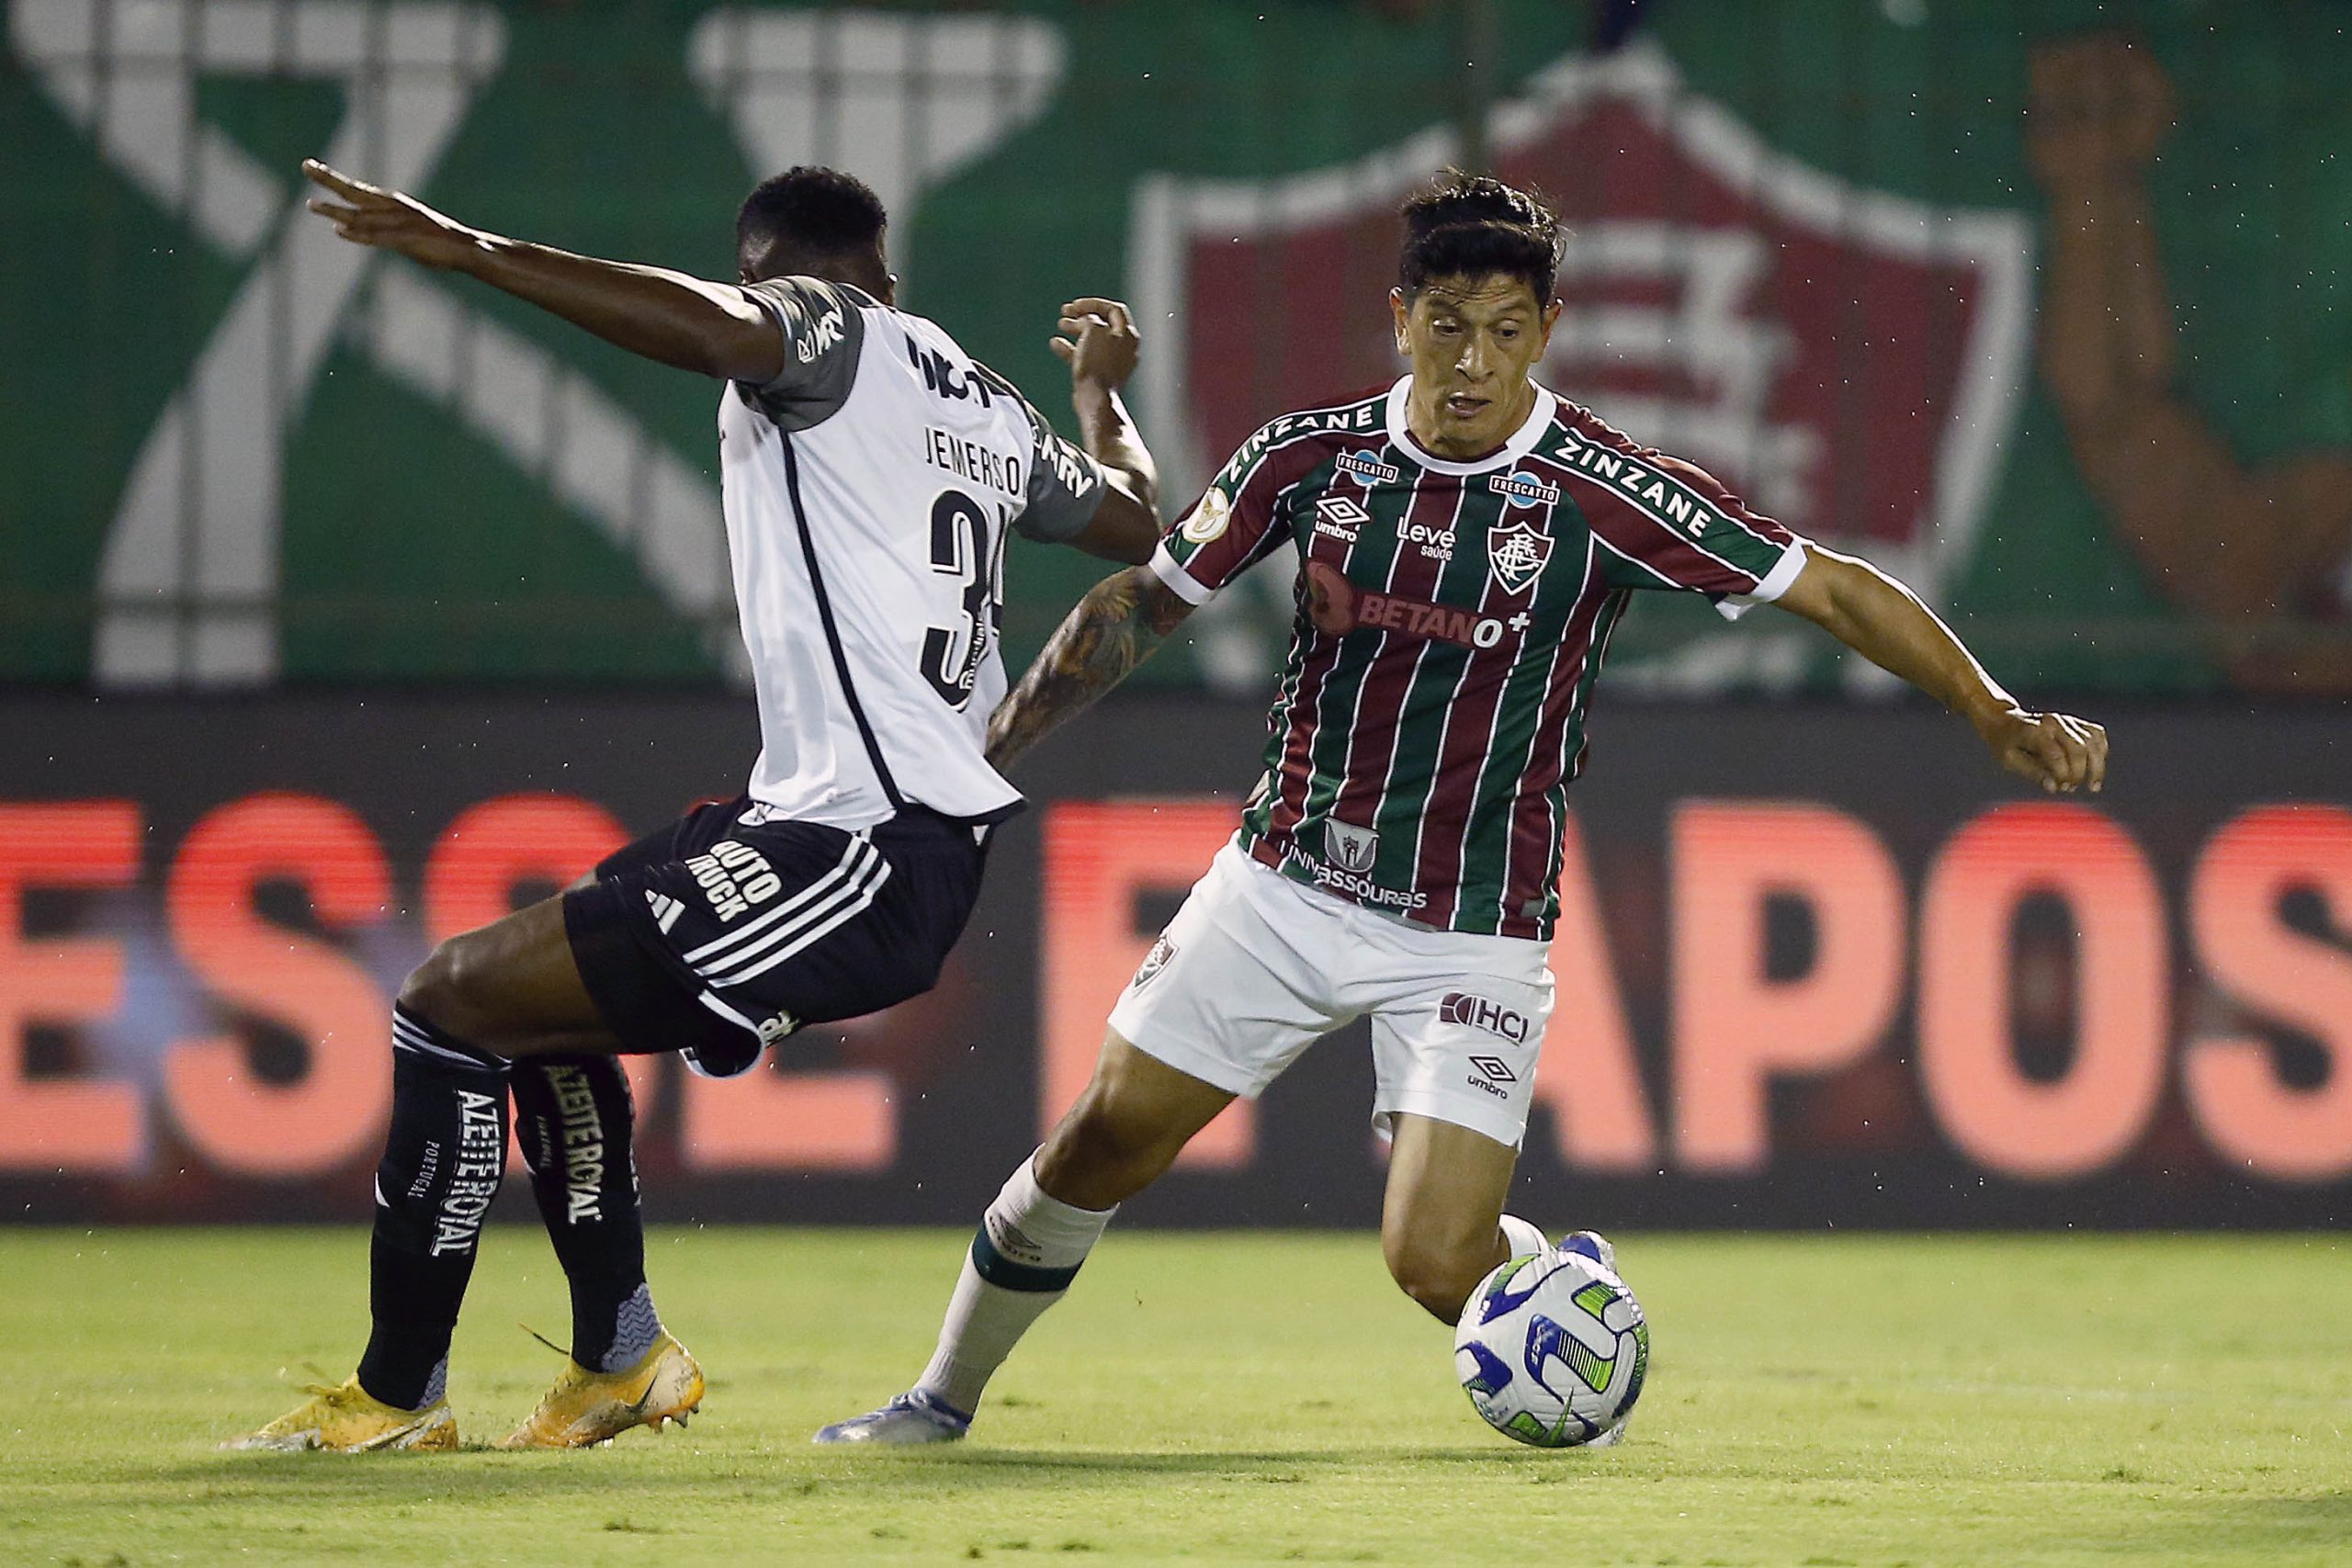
1098,1156
442,988
1439,1278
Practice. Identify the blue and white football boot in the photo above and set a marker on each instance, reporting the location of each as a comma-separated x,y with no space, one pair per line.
915,1416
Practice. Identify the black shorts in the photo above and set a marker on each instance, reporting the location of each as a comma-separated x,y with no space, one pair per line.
728,930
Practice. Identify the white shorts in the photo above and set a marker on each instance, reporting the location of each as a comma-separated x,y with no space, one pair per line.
1255,967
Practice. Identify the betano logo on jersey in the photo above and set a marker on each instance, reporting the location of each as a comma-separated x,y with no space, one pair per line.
1338,607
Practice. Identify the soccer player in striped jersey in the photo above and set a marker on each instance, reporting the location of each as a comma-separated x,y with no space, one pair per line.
1466,541
870,469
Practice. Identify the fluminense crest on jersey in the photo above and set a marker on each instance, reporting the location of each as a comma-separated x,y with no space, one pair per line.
1517,555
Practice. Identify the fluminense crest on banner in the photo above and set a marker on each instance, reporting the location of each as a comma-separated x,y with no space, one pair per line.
1848,360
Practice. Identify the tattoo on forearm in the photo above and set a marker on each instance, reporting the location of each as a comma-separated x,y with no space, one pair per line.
1115,628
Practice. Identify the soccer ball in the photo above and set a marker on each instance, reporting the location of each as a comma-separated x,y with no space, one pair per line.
1553,1350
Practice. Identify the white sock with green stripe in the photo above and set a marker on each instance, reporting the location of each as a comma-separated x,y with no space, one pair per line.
1026,1252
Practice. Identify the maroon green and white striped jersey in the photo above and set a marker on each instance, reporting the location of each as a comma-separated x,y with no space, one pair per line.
1452,620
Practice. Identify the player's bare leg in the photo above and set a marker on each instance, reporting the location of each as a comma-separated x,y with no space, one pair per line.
1135,1115
1134,1118
1443,1227
1441,1220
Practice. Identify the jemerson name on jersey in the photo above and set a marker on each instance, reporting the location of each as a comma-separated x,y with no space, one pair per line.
1454,616
869,489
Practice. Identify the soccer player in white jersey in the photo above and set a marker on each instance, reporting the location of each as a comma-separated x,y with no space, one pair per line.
1466,540
870,470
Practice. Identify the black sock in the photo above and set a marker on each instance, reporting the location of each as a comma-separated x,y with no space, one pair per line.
441,1167
573,1117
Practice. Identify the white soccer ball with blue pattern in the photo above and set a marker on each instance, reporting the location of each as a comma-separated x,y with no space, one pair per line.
1553,1350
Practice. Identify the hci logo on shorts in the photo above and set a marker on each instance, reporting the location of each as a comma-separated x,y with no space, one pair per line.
1350,848
1479,1013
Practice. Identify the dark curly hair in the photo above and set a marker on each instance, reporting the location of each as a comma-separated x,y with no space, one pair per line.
1465,225
809,214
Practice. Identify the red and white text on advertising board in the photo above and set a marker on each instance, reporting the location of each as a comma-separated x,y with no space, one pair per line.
1734,1028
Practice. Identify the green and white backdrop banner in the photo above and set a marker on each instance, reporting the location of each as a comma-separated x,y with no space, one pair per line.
1815,248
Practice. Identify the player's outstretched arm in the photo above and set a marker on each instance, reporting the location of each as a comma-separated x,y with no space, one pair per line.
1115,628
1886,623
713,328
1097,339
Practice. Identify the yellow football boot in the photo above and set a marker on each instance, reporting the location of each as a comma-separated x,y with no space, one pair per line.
347,1419
585,1407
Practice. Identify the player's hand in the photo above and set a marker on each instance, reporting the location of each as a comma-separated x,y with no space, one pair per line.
389,220
1098,342
2057,750
2098,107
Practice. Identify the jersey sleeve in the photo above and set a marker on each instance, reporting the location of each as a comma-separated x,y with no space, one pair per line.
1238,521
823,331
1663,522
1065,484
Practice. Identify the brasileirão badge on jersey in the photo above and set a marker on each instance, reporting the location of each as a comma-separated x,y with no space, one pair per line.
1517,554
1209,518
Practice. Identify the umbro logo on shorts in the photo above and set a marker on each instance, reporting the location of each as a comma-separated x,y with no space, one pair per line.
1460,1006
1495,1069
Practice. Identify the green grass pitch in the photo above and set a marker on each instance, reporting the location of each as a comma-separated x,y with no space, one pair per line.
1220,1398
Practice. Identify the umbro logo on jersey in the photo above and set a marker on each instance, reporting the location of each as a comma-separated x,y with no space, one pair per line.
1524,490
1516,556
1368,469
734,877
1339,517
1479,1013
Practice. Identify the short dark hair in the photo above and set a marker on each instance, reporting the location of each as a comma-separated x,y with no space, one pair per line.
812,214
1465,225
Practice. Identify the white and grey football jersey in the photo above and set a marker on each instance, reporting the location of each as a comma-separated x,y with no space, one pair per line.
869,489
